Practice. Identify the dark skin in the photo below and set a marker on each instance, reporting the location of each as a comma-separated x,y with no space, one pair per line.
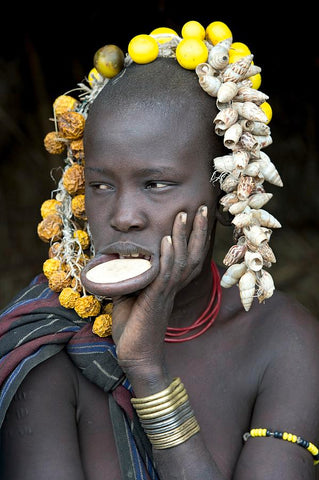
256,369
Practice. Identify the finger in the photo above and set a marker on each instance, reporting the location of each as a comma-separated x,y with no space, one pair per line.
179,238
198,237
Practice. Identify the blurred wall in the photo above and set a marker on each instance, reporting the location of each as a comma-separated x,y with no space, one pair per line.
47,53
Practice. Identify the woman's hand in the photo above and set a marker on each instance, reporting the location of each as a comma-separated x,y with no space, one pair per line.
140,322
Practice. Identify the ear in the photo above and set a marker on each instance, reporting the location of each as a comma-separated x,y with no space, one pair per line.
224,218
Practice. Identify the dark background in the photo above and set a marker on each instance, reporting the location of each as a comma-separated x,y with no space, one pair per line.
47,50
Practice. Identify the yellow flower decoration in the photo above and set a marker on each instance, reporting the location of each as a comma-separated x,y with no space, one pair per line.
68,297
51,266
102,325
83,238
87,306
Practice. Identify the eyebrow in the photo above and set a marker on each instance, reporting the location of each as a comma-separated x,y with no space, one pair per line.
143,172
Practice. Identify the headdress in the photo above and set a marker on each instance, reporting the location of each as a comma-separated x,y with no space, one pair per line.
225,70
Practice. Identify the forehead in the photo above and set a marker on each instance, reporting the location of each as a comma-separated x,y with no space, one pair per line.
158,107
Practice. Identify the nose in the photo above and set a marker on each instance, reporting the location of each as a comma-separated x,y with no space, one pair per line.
128,213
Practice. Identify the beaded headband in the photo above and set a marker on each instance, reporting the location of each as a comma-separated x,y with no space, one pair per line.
225,70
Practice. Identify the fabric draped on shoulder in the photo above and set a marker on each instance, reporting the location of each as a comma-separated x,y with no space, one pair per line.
33,328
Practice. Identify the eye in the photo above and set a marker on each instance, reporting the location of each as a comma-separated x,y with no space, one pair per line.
101,186
157,185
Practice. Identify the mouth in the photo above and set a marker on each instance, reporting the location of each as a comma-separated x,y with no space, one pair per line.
120,269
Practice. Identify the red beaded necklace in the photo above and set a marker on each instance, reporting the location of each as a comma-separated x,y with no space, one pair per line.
207,318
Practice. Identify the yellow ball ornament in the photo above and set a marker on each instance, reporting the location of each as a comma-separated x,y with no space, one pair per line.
51,266
190,52
217,31
266,108
87,306
255,80
68,297
83,237
94,77
167,33
102,325
237,51
193,29
143,49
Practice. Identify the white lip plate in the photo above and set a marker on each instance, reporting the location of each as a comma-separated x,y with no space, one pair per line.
118,270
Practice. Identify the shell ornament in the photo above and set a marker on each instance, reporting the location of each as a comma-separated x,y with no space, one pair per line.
232,78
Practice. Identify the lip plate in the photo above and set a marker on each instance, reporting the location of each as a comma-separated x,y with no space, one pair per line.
124,287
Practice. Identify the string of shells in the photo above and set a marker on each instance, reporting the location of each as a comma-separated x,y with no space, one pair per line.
242,172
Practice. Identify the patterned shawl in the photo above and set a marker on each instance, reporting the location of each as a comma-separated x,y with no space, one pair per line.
34,327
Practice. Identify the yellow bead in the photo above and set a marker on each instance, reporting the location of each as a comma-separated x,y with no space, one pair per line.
285,436
256,81
190,52
237,51
294,438
266,108
109,60
94,77
168,34
217,31
143,49
264,431
193,29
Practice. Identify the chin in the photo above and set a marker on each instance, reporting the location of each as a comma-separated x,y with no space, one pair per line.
97,277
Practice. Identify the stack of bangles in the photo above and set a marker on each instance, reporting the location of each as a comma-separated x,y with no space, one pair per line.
167,417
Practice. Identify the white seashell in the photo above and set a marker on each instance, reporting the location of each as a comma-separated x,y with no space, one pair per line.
245,187
265,285
225,119
232,135
263,141
228,200
203,69
234,254
227,92
210,84
248,141
268,170
235,72
260,128
258,200
266,252
255,234
265,219
242,220
250,111
252,70
218,56
224,163
241,159
246,94
252,169
229,183
254,261
247,289
238,207
247,125
233,274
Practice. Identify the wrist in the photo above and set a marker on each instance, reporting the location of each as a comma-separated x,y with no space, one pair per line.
146,380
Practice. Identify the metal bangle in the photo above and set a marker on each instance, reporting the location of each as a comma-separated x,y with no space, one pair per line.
177,411
160,394
161,406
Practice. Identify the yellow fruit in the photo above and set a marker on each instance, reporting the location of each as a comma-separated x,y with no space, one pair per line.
266,108
255,80
143,49
193,29
237,51
190,52
163,31
109,60
94,77
217,31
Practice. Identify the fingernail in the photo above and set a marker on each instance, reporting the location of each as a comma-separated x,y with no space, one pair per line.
169,239
203,211
183,217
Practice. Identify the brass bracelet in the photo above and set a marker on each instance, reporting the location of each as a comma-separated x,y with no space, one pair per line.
158,401
162,406
175,432
178,441
169,409
162,393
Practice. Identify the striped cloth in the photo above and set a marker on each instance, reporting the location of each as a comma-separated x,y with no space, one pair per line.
33,328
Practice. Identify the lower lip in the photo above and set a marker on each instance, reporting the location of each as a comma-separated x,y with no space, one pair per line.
95,285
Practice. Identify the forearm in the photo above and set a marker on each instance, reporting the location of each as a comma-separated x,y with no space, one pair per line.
179,450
